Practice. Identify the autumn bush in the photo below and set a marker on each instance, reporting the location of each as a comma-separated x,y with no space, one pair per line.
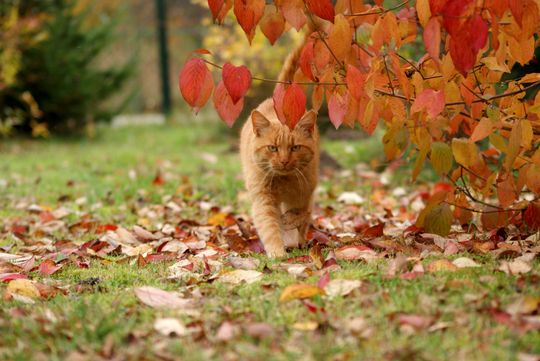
50,79
468,107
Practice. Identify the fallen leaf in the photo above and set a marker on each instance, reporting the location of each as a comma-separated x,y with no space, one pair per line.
48,267
523,305
340,287
259,330
464,262
23,287
227,331
240,275
248,263
514,267
157,298
170,327
441,265
355,252
396,265
299,291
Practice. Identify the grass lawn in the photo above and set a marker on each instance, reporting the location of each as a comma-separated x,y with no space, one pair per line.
163,176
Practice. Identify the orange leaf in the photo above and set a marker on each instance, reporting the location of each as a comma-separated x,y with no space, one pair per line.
441,265
430,100
237,80
272,24
219,9
340,37
195,83
506,191
299,291
294,105
484,128
293,12
227,110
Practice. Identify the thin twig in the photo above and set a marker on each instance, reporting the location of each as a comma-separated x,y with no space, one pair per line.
380,11
322,37
388,75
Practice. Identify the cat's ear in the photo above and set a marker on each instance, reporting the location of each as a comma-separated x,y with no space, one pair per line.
259,121
306,125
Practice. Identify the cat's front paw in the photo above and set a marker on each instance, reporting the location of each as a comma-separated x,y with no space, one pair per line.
275,252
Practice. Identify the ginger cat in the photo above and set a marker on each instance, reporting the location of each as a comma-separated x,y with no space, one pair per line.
280,169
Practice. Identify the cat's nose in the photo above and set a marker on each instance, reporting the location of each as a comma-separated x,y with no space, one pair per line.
284,161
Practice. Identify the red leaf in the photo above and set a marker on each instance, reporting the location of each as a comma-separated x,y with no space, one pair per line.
452,15
294,105
6,277
355,81
227,110
306,60
237,80
532,216
431,100
278,96
432,38
48,267
322,8
158,179
272,24
46,217
437,6
196,83
478,30
374,231
337,108
248,13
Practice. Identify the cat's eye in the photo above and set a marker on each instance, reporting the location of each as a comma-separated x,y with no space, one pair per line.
295,148
272,148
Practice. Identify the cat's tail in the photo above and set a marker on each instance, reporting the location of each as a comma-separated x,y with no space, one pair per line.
291,63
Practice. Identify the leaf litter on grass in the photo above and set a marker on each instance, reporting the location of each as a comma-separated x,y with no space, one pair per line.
214,245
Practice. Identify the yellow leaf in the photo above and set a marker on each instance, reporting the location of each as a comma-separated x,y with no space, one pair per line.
465,152
439,220
492,64
441,157
300,291
423,11
23,287
498,142
530,78
441,265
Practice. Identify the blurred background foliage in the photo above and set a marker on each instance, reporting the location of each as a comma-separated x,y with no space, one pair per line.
66,64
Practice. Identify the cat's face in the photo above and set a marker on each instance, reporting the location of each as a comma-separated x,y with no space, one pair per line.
278,149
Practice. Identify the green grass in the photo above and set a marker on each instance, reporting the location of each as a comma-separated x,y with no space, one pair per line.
106,320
